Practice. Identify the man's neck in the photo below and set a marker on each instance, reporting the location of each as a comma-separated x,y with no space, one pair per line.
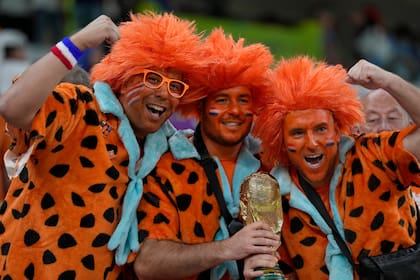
222,151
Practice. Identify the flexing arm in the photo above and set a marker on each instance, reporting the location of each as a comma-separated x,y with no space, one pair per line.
25,97
164,259
371,76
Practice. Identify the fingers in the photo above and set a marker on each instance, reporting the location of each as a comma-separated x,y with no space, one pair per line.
259,260
100,30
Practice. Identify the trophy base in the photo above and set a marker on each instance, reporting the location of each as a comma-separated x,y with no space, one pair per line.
271,273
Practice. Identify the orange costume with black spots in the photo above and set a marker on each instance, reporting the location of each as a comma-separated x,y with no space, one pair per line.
87,175
375,173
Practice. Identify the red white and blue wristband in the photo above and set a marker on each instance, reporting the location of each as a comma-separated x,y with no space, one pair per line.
67,52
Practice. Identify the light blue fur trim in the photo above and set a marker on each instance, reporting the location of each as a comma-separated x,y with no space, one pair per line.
337,263
245,165
125,237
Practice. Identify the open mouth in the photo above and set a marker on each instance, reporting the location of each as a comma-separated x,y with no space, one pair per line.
155,109
314,159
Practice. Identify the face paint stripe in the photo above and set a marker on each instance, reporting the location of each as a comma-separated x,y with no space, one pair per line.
330,144
214,112
291,149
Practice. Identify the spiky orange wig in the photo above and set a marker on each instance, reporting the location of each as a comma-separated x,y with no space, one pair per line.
299,84
233,64
149,39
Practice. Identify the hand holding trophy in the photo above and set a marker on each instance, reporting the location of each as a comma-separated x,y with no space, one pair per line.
260,200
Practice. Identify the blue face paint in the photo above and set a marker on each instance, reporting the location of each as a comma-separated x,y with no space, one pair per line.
214,113
330,144
291,150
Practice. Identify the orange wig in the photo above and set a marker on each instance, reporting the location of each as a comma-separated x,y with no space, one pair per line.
299,84
152,40
233,64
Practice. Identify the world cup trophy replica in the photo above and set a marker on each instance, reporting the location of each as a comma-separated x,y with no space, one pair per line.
260,200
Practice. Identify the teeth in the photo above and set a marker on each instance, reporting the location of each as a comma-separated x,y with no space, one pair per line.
156,108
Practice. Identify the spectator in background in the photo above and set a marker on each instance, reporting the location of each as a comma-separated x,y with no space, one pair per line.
382,113
48,21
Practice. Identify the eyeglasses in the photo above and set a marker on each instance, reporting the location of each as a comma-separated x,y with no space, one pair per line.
153,79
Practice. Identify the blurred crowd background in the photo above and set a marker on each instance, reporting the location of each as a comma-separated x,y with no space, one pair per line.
385,32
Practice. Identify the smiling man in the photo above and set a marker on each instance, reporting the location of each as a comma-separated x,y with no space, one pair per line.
184,235
80,154
363,182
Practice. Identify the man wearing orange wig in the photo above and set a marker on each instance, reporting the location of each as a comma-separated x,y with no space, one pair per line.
80,155
361,182
185,235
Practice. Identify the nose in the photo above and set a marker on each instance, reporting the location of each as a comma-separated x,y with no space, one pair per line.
162,91
234,108
311,140
383,126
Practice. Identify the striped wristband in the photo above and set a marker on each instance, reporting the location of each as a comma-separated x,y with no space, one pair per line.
67,52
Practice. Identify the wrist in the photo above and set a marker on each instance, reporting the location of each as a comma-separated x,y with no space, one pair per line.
67,52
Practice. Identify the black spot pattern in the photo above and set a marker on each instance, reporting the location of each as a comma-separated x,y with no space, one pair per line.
308,241
298,261
113,173
91,118
198,230
393,139
57,149
350,236
66,240
89,142
17,192
87,221
50,118
152,199
350,189
413,167
97,188
356,167
100,240
206,208
356,212
85,162
178,168
192,178
23,176
59,170
52,221
377,221
296,225
89,262
31,237
109,215
47,201
59,134
160,218
29,271
48,257
67,275
77,200
385,196
183,201
386,246
373,182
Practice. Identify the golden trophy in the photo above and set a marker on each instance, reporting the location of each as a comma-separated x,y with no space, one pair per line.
260,200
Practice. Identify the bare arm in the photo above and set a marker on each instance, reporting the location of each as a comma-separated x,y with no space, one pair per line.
372,77
164,259
25,97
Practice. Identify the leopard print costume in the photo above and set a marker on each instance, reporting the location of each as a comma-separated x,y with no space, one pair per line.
65,202
375,210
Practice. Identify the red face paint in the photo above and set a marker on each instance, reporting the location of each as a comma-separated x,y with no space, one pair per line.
311,140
